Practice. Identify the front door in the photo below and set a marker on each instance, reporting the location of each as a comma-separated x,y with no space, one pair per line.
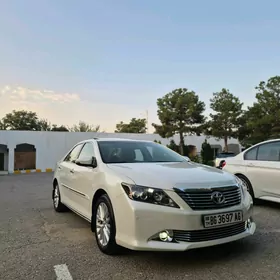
66,175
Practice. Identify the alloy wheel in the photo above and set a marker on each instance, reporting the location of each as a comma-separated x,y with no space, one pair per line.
56,197
103,224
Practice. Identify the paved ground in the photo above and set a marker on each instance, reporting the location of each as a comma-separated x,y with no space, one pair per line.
34,239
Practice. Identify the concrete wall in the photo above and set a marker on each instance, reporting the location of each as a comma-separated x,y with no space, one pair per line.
51,146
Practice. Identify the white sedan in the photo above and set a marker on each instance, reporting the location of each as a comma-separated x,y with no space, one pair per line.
259,169
143,196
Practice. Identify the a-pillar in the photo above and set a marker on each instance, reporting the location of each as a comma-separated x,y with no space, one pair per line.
11,161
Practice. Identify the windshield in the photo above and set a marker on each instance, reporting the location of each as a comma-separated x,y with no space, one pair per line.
134,151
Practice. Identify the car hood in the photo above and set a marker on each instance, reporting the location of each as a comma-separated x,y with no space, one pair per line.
174,175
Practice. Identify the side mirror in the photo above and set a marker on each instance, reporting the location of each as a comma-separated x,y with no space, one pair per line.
187,158
87,162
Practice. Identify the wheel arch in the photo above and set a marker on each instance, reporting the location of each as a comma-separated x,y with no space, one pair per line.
249,182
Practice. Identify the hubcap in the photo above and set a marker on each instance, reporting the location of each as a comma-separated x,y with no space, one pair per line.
56,197
103,225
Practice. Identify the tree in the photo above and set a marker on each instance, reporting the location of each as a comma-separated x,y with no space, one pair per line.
2,126
159,142
84,127
226,119
207,153
262,120
59,128
179,111
44,125
173,146
21,120
134,126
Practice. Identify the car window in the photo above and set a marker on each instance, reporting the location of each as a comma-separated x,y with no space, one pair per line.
138,155
73,155
87,151
269,152
251,154
136,151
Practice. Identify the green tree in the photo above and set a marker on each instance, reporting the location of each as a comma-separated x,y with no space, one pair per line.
84,127
21,120
180,112
44,125
159,142
173,146
262,120
226,119
134,126
207,153
2,126
59,128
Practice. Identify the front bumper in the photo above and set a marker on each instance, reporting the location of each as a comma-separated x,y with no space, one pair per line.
137,223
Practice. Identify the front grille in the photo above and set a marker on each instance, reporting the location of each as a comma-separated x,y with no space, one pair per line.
208,234
200,199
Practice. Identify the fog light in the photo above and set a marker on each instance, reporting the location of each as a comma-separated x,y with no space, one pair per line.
248,223
166,236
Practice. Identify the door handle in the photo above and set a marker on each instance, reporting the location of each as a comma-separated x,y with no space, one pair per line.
72,171
251,164
59,167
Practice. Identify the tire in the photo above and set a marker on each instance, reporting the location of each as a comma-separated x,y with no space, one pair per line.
246,181
57,204
105,227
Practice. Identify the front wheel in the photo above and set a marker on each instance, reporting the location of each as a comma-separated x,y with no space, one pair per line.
105,228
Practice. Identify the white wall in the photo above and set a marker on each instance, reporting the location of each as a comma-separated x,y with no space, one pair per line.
51,146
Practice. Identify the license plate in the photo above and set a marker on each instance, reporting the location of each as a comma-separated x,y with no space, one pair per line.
222,219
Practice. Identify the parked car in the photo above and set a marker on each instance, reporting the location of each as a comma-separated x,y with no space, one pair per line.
259,169
144,196
222,156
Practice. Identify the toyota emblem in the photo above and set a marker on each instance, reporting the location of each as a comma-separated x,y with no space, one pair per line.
218,197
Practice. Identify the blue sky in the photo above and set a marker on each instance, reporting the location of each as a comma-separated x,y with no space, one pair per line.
117,57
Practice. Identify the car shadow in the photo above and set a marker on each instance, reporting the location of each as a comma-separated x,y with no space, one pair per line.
267,203
240,249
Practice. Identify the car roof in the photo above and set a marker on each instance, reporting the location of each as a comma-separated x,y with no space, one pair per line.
120,139
264,142
113,140
270,140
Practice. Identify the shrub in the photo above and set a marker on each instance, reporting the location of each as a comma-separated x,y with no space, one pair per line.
207,153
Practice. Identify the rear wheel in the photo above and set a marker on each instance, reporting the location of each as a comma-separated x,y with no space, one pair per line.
105,228
248,185
57,204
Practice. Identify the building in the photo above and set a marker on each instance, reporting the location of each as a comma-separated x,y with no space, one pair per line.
40,150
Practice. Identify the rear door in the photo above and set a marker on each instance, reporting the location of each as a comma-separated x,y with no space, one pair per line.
263,168
65,169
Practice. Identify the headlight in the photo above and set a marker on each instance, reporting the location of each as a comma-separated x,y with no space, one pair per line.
148,195
241,185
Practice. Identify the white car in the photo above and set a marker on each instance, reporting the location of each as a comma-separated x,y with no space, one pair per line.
259,169
143,196
222,156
